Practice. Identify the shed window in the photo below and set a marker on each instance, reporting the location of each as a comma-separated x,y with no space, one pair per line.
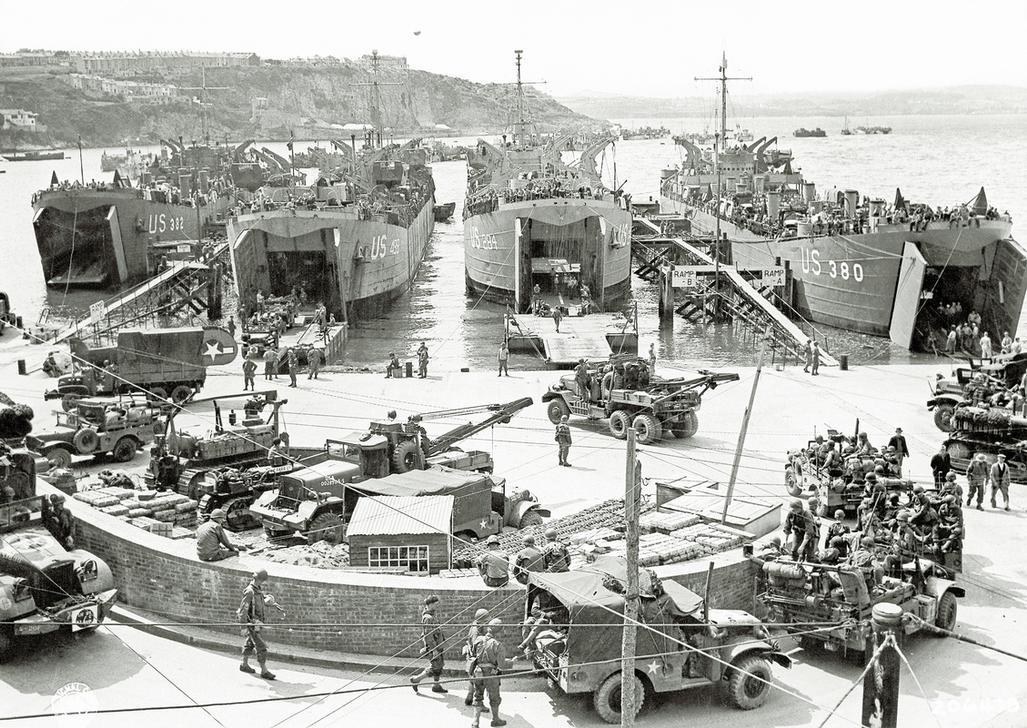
412,558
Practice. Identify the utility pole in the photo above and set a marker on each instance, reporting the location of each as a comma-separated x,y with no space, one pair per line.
720,139
632,503
745,426
881,684
81,165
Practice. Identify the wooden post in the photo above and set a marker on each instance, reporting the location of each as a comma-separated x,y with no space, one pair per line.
745,426
666,295
632,494
706,594
881,684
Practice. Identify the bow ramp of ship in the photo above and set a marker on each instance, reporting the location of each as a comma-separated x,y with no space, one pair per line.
185,281
591,337
652,246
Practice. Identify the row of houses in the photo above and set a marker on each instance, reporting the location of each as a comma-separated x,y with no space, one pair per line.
131,91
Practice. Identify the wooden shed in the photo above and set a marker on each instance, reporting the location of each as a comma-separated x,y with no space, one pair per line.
412,533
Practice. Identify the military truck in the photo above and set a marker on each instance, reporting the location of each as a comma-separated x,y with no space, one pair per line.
165,362
316,502
97,428
689,646
978,382
44,587
655,409
801,593
989,431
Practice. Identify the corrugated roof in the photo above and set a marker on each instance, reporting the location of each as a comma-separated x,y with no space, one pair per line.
389,515
414,482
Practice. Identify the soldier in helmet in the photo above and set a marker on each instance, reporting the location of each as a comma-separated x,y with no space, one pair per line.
493,565
556,557
802,530
563,440
432,640
977,475
475,634
489,662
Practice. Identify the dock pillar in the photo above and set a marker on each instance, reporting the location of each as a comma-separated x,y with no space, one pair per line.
666,296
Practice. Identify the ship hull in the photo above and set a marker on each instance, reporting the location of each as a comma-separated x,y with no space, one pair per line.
356,267
868,282
517,245
111,238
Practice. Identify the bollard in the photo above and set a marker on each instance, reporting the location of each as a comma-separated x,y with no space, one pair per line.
18,322
410,369
843,362
21,367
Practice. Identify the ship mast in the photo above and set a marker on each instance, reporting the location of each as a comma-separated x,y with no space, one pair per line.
720,141
375,102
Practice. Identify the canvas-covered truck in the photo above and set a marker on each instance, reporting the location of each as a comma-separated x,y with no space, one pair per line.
316,502
44,587
660,407
689,646
979,382
169,363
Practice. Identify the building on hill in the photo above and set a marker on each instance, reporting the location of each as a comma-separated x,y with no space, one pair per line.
122,65
20,120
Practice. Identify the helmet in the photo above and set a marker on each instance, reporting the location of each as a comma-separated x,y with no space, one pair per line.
903,516
528,540
480,615
918,489
563,418
870,477
950,499
495,622
551,534
217,514
950,476
493,541
795,505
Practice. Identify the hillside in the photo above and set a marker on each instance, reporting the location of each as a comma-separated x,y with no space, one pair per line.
269,100
952,100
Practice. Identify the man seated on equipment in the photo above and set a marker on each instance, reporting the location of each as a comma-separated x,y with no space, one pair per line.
394,369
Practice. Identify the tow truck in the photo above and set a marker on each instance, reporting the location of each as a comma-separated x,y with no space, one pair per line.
660,407
44,587
690,645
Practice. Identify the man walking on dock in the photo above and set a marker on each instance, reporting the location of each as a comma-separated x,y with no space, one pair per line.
809,355
314,359
999,477
251,616
557,317
270,363
249,370
294,366
563,440
976,477
504,357
432,641
422,361
816,359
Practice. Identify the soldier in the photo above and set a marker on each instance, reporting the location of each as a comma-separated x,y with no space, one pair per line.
504,358
493,565
799,525
941,463
276,453
422,361
837,527
556,556
251,616
270,363
212,542
950,486
999,477
249,369
581,378
489,662
432,646
315,357
977,475
563,440
294,365
528,559
475,633
392,371
60,523
557,317
808,351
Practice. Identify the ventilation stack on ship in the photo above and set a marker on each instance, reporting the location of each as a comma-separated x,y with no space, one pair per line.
530,219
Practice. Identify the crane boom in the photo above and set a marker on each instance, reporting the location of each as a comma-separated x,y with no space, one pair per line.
500,414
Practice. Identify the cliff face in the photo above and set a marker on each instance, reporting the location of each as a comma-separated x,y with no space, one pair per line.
270,100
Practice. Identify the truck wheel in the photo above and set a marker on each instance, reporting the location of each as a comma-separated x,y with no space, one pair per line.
529,519
59,457
557,408
607,698
159,394
687,426
85,441
181,394
326,527
749,682
125,450
404,456
947,609
943,417
619,424
70,402
648,428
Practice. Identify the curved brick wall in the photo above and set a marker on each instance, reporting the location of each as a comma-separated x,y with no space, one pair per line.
165,577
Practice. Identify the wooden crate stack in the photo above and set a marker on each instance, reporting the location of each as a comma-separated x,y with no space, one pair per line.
144,508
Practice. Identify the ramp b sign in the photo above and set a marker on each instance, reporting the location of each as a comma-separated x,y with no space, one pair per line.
684,277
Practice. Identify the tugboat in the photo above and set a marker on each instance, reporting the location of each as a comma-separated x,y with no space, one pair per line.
802,132
353,241
530,219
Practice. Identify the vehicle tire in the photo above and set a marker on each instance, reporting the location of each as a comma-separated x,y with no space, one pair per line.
125,449
619,424
181,394
943,417
957,449
947,611
607,698
745,691
326,527
59,457
405,457
85,441
70,402
529,519
687,426
556,409
159,394
648,428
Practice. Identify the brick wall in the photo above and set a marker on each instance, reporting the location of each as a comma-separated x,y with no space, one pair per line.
165,577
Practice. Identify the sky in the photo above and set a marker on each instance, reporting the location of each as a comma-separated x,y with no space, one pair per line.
592,47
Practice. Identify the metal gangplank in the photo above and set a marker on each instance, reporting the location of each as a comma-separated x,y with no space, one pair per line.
741,294
183,289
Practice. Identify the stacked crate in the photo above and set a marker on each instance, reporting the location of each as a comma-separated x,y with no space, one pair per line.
144,507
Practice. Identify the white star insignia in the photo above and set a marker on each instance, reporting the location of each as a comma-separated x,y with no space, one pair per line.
654,667
484,523
214,350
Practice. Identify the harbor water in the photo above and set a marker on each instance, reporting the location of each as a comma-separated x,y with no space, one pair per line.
942,160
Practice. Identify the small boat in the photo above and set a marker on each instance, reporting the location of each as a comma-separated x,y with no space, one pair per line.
803,132
846,131
32,156
444,211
